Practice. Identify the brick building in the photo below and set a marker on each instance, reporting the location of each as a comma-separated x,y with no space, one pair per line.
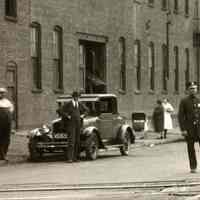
15,56
99,46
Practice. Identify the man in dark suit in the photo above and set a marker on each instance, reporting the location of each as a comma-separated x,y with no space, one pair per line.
189,121
71,113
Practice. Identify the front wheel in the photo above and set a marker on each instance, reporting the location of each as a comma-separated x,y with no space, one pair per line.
35,154
126,141
92,147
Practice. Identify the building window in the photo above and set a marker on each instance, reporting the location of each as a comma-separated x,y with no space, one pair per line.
164,64
11,8
122,57
82,66
36,55
176,70
58,57
187,67
164,4
151,65
186,7
176,6
150,2
137,60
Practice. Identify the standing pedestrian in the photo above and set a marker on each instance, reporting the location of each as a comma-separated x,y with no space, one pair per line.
189,121
158,118
168,110
71,113
6,110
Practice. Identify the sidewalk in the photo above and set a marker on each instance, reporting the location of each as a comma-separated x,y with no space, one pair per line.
150,138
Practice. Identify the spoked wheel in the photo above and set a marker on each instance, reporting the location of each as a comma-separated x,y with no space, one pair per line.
92,147
124,150
35,154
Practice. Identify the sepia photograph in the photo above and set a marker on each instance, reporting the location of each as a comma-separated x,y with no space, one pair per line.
100,99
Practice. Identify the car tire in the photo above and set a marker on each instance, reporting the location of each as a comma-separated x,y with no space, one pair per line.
35,154
126,141
92,147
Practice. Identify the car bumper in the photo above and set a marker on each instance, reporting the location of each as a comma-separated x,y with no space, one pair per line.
51,145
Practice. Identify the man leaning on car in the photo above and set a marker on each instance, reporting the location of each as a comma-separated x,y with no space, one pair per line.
71,113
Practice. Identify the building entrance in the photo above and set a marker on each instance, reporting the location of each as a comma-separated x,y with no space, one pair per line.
93,63
11,81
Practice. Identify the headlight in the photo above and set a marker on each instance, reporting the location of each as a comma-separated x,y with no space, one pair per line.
34,132
45,129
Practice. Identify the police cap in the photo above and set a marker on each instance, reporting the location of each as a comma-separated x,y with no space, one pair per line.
192,84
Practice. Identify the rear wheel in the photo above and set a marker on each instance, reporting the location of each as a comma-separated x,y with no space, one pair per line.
126,141
35,154
92,147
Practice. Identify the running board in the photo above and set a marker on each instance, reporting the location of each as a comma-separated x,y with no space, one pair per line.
111,148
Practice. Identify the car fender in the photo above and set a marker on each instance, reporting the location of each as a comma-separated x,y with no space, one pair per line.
123,129
89,130
93,130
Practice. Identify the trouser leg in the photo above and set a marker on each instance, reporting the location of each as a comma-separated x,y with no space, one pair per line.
1,152
165,133
77,142
71,144
192,154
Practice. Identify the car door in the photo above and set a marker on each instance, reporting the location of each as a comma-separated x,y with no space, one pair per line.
106,117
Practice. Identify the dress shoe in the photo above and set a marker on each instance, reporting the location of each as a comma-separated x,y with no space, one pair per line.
193,171
69,161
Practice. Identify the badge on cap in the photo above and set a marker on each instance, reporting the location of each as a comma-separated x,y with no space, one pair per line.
192,84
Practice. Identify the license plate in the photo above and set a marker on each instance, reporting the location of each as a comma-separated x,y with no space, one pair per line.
60,136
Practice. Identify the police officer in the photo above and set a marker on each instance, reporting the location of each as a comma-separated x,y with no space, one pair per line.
189,121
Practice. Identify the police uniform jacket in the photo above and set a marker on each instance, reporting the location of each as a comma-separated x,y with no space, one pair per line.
189,116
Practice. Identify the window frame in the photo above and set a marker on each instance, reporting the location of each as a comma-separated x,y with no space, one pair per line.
176,6
137,56
164,68
176,69
58,59
164,5
151,65
122,57
11,10
151,3
37,70
187,67
187,8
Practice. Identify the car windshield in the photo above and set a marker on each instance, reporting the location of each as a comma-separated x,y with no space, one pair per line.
95,108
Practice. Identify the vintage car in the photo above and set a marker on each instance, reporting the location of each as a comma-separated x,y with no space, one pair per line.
102,129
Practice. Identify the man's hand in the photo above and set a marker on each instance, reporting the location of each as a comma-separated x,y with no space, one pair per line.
82,116
184,133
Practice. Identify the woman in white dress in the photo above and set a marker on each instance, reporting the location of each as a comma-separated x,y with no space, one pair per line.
168,110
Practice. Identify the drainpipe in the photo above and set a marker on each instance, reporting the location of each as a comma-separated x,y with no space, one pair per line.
196,40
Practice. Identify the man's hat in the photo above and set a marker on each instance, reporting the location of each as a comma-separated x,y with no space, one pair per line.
75,94
192,84
3,90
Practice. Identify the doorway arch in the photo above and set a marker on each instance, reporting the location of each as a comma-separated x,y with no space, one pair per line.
11,84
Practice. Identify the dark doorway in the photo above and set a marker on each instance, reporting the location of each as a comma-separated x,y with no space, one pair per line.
11,81
93,54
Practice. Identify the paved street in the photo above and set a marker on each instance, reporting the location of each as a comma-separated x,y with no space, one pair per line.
167,162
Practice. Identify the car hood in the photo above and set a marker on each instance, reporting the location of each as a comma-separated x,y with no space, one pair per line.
89,121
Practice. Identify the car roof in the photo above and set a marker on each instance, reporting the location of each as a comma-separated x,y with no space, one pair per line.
85,97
